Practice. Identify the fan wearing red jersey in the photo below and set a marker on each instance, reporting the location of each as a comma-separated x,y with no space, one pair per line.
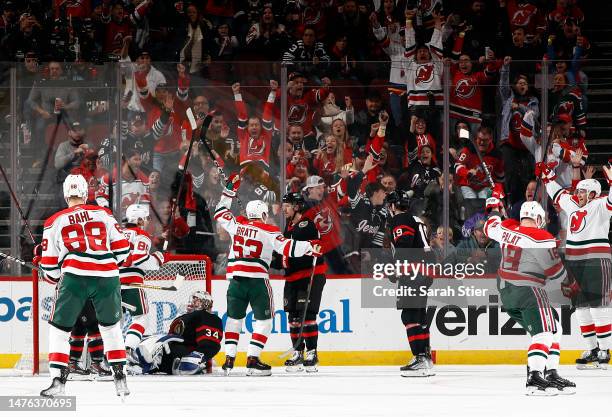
253,242
529,258
81,248
132,271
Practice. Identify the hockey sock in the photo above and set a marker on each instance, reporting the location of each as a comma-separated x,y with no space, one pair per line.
232,334
587,327
294,331
311,334
554,351
135,331
95,347
261,330
59,350
77,342
114,347
537,355
603,328
418,338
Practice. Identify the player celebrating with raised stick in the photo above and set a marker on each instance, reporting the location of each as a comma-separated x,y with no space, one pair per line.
82,245
587,253
253,242
529,258
133,270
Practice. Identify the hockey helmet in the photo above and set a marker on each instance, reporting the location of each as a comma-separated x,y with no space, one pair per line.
399,197
203,299
255,209
533,210
75,185
296,199
136,212
590,185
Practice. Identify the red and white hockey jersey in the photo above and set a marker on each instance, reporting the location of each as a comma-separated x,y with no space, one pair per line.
587,227
529,255
424,78
253,243
255,149
132,192
139,260
83,240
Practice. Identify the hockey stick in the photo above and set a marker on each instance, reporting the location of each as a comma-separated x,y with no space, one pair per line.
128,306
301,334
178,282
465,134
14,197
19,261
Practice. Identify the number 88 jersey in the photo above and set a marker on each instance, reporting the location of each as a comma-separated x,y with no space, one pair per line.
83,240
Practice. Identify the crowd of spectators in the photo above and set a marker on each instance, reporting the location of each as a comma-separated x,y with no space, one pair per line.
364,97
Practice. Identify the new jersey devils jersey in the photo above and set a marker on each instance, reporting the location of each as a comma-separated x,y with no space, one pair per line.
254,149
139,260
427,77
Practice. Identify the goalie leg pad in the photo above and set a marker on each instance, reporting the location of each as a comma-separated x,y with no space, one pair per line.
136,331
192,364
150,351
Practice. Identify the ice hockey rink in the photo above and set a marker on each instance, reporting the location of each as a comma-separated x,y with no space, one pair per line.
467,390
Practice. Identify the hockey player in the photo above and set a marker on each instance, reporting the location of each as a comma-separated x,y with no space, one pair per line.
133,270
193,338
253,242
409,232
297,278
587,254
529,258
82,245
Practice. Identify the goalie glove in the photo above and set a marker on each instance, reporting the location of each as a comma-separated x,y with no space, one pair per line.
150,351
569,286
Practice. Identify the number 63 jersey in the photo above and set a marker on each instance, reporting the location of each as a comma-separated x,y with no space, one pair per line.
529,255
253,243
83,240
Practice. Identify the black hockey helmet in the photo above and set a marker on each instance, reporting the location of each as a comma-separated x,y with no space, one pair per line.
296,199
399,198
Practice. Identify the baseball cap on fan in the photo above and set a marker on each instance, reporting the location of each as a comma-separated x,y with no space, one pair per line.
313,181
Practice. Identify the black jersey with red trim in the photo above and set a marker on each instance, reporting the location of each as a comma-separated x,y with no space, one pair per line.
300,268
408,231
201,331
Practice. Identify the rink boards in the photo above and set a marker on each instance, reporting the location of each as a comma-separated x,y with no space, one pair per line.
349,334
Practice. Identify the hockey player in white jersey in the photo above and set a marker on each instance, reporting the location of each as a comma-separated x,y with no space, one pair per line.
529,259
252,243
81,248
587,254
132,271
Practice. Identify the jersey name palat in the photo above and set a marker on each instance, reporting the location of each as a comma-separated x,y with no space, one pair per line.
510,238
81,217
246,231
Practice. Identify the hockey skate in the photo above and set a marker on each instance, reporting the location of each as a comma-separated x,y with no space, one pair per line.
603,358
77,373
228,365
311,361
295,363
255,367
420,366
58,385
538,386
100,371
120,381
563,386
588,360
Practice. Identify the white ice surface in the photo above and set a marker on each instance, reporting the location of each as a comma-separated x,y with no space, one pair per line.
457,391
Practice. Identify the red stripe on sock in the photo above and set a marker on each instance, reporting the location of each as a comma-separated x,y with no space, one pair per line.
260,337
539,346
606,328
423,336
554,346
77,337
114,355
76,348
232,336
95,348
587,329
137,327
58,357
311,334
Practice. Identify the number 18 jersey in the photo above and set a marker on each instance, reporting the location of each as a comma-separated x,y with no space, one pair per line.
83,240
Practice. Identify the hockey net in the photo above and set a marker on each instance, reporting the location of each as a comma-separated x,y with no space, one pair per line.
164,305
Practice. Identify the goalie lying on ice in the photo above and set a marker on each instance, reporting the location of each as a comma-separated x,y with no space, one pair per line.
193,338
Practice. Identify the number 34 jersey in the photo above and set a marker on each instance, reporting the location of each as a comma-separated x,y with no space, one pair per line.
529,255
253,243
83,240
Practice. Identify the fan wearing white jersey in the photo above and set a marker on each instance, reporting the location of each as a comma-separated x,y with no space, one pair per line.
587,252
252,244
529,259
132,271
81,248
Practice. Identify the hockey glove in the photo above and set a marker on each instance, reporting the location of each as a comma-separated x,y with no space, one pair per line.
569,286
159,256
316,248
493,204
37,255
233,184
607,169
545,172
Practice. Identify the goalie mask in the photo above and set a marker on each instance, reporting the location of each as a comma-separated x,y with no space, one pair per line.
256,209
533,210
136,212
201,300
75,186
589,186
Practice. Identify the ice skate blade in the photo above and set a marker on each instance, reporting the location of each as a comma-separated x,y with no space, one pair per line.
588,366
603,366
566,391
294,369
256,372
311,369
421,373
104,378
79,377
535,392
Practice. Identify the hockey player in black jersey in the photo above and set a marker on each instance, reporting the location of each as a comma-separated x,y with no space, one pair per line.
193,339
408,232
297,279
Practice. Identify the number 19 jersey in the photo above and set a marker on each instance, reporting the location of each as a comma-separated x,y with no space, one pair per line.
83,240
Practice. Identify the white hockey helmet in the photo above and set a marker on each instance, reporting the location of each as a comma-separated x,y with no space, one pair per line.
136,212
255,209
75,185
533,210
590,185
205,300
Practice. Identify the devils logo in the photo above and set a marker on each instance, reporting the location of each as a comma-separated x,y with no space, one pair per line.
424,74
577,221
